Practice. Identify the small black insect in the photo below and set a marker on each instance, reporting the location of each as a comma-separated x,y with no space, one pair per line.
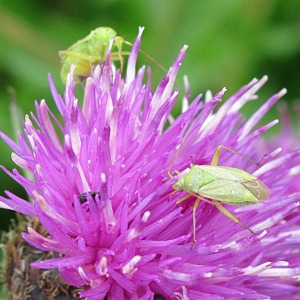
83,197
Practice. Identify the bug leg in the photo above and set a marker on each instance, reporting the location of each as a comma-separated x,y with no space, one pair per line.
217,154
121,61
182,198
171,194
174,172
215,159
224,211
194,219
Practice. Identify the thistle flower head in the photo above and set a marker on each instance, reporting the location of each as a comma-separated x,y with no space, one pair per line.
102,192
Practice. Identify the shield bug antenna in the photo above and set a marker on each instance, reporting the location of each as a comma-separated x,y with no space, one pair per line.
148,56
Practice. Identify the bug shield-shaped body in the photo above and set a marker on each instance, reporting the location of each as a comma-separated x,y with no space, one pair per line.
90,51
225,184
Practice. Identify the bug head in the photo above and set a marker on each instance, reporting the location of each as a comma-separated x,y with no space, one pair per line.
181,183
177,186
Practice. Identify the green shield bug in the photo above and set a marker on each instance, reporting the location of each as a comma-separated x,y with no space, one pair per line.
221,184
92,50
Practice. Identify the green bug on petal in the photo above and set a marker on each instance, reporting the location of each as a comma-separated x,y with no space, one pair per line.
221,184
90,51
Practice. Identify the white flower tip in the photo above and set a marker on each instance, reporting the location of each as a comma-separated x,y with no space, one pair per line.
186,82
262,81
281,263
130,268
38,169
27,121
141,30
282,92
71,73
224,90
146,216
89,81
185,106
111,41
97,71
83,275
67,138
208,95
35,193
5,206
132,234
103,177
208,275
262,234
102,266
183,50
276,152
72,69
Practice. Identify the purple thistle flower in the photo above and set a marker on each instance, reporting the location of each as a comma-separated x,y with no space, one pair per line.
105,198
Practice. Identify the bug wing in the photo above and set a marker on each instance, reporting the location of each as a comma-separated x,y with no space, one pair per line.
227,191
231,192
257,188
226,173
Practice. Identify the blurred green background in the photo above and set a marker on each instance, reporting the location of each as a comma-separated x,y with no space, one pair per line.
230,42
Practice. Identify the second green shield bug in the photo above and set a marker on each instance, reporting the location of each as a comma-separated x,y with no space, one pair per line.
221,184
90,51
